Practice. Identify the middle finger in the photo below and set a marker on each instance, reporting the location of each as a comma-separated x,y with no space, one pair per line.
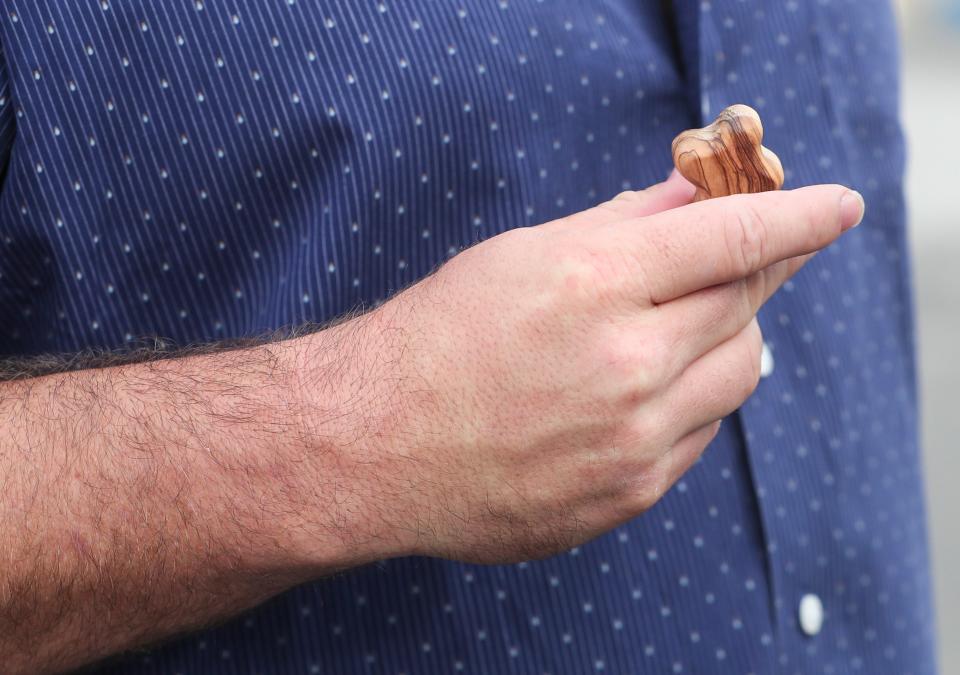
697,323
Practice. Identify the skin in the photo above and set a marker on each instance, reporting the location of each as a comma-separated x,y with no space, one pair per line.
536,391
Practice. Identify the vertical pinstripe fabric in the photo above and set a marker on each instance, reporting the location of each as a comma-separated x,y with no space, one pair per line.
210,168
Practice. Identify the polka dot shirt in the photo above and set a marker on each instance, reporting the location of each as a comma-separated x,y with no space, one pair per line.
201,169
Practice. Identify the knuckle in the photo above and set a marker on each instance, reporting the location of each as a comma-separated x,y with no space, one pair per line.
636,432
692,447
749,297
645,491
623,203
653,363
704,438
742,374
642,477
746,235
629,196
640,362
582,271
760,285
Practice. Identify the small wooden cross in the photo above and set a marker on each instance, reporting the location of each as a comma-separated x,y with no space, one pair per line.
728,157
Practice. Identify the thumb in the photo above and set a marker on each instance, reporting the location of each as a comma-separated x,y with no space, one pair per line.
674,192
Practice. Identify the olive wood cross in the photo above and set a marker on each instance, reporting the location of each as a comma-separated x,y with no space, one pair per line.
727,157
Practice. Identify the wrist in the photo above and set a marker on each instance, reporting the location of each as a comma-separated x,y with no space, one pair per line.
345,389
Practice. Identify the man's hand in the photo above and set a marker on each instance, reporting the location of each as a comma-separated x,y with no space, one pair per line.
555,381
537,390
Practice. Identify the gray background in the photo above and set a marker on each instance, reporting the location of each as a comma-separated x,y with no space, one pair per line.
931,109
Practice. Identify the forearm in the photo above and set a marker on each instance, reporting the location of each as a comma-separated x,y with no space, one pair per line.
147,499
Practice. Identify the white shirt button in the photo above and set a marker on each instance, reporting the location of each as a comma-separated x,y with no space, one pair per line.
811,614
766,361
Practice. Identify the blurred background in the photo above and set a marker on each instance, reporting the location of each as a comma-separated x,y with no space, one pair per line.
931,113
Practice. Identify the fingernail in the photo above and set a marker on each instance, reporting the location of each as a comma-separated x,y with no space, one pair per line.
852,208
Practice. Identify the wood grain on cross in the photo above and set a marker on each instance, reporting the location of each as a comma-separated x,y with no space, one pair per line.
728,156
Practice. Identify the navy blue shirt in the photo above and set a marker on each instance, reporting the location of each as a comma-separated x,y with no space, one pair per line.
211,168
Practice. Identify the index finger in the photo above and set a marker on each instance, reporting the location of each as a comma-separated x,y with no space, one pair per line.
729,238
